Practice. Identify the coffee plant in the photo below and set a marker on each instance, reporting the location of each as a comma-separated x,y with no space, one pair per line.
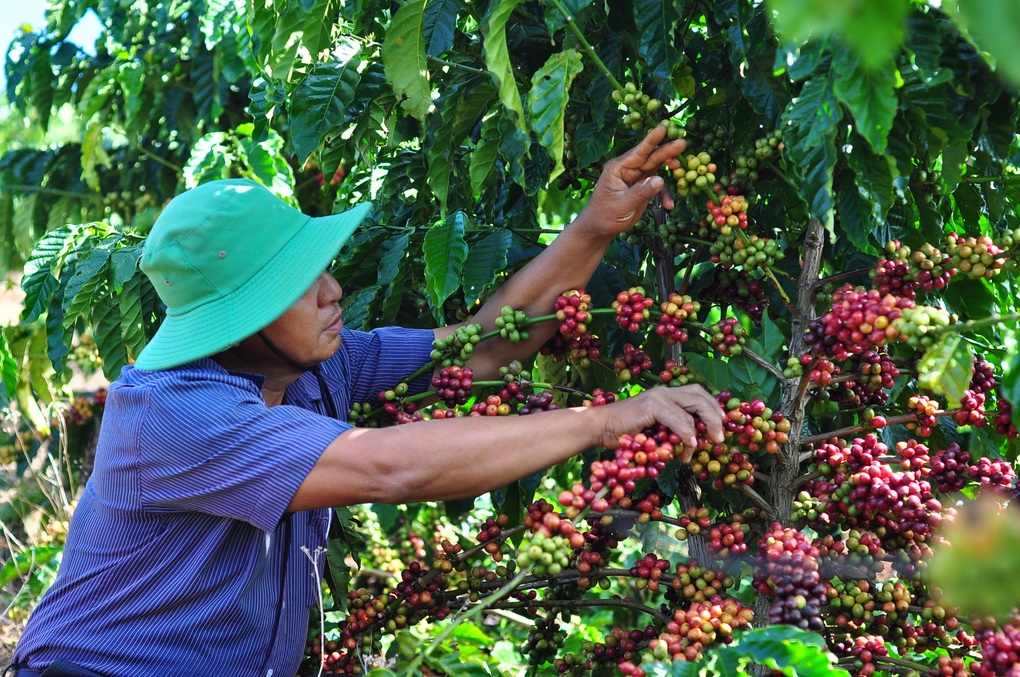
839,270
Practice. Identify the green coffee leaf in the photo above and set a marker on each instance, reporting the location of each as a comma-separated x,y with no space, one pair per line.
445,253
487,260
656,23
497,59
403,55
550,92
870,94
947,367
320,102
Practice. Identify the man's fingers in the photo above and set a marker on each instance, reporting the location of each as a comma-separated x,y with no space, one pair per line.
682,423
667,197
649,155
706,408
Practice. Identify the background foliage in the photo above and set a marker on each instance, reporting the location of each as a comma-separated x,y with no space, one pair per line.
478,128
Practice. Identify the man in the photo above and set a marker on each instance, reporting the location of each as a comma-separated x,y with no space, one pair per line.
190,550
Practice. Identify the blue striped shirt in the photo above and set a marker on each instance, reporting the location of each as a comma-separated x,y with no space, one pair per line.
181,559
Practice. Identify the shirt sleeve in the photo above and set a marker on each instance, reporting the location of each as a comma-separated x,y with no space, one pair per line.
380,359
213,446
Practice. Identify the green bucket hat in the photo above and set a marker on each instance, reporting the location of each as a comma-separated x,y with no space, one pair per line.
229,257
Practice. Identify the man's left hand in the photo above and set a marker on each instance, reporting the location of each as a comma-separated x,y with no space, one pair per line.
628,182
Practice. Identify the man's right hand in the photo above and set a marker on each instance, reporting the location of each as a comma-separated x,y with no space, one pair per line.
676,408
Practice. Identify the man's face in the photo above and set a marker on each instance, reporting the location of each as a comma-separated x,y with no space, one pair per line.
309,331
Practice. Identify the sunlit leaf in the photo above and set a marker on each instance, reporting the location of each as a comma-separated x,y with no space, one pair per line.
873,27
497,59
320,104
995,26
870,94
403,54
550,92
947,367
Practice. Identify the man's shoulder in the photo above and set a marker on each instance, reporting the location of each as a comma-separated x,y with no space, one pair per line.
188,378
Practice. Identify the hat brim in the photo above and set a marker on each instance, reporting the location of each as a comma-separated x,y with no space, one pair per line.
207,329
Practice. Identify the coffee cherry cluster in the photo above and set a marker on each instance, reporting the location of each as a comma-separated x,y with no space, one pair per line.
877,370
493,405
794,368
675,311
769,145
511,325
707,135
913,455
908,271
919,326
750,162
890,277
950,666
456,349
632,363
641,110
927,410
724,465
692,523
362,415
453,384
1000,652
1004,419
571,310
1008,239
862,550
727,539
787,567
538,402
542,518
599,397
547,555
693,582
580,351
975,257
648,571
859,320
411,601
982,378
544,641
703,624
632,308
972,409
751,252
675,375
899,503
865,650
327,655
491,535
737,287
695,171
637,457
996,474
729,213
728,336
949,469
753,424
820,370
676,232
952,469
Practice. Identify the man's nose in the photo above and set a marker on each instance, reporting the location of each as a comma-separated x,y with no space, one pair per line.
330,291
